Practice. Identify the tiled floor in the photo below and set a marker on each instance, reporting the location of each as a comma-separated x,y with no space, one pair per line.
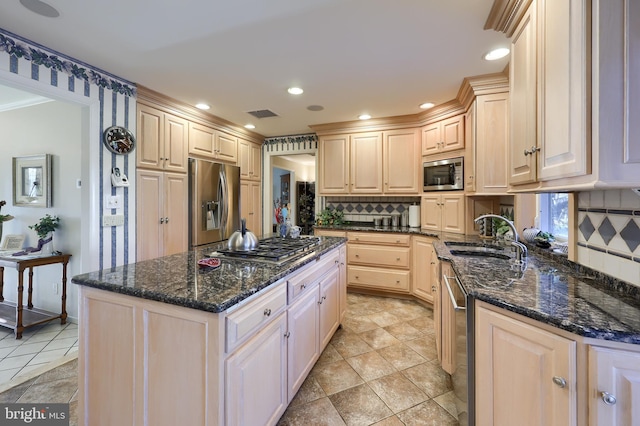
39,345
379,369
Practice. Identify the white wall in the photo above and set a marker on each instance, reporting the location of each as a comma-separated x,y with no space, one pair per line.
52,128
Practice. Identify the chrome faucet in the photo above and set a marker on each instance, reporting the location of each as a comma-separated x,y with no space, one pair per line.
521,249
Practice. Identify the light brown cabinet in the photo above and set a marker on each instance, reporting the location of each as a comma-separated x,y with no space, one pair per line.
424,263
162,214
333,165
249,160
442,136
492,143
443,212
523,373
365,163
401,167
447,320
207,142
162,140
250,205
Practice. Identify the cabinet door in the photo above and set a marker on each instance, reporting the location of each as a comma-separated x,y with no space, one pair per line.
176,213
255,385
176,144
366,163
447,322
564,88
343,282
617,373
522,93
150,137
226,148
329,306
244,158
431,138
452,133
401,155
422,253
492,137
255,170
202,140
430,212
150,209
304,338
453,213
255,214
437,303
333,162
516,364
470,149
246,202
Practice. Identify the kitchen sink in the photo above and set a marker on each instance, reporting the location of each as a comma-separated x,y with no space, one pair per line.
480,254
484,250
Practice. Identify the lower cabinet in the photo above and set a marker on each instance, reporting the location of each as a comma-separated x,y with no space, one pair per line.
614,387
424,260
524,375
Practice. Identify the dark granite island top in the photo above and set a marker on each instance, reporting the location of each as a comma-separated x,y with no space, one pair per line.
178,280
552,290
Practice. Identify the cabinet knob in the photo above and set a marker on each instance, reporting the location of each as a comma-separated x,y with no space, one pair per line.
433,288
161,220
397,259
433,263
320,302
397,281
357,255
559,381
267,312
303,286
287,334
608,398
166,220
357,277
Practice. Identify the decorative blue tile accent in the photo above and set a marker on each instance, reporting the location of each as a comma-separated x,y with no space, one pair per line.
379,208
607,231
631,235
401,208
349,208
54,78
35,72
587,228
359,208
389,208
369,208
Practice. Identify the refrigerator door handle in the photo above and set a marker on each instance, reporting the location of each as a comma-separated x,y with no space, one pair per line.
223,194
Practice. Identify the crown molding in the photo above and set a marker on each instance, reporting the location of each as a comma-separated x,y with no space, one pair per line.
505,15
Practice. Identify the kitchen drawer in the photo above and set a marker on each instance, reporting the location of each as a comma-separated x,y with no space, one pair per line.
309,277
396,257
379,238
251,317
375,278
329,233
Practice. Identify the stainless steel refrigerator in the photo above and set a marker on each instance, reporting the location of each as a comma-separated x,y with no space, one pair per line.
214,201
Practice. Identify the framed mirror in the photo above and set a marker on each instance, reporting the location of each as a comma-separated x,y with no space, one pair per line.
32,181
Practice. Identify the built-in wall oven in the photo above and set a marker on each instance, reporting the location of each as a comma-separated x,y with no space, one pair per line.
461,331
443,175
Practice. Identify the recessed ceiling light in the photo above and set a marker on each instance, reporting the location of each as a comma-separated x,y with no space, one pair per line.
427,105
203,106
496,54
295,90
249,126
364,116
315,107
41,8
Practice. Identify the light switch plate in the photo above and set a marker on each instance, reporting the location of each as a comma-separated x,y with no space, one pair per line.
112,201
113,220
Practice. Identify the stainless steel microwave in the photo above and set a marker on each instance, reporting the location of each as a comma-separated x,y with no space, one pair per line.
443,175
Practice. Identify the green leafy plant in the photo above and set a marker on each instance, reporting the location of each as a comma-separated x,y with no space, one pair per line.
4,217
330,217
544,239
47,224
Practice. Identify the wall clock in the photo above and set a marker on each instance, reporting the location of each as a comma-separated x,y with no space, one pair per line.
119,140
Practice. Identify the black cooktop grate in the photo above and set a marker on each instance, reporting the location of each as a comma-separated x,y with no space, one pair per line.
274,248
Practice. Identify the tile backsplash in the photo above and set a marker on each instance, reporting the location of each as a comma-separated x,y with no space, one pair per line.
609,233
365,209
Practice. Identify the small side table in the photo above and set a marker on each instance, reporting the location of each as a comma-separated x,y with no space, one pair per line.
15,317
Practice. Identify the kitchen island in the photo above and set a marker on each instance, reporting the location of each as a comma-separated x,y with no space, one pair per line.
166,342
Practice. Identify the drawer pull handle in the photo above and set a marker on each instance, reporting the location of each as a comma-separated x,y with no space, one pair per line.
559,381
324,297
357,277
287,334
336,262
397,281
397,258
303,286
357,255
267,312
320,302
608,398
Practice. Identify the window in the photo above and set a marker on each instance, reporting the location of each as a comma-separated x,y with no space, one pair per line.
554,215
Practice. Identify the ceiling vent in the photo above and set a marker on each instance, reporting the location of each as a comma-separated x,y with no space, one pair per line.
262,113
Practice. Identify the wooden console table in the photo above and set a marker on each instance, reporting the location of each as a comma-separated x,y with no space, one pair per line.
14,316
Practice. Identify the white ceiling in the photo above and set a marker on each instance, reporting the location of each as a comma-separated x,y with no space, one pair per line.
381,57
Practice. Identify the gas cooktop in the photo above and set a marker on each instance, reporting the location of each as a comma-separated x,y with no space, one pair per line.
273,250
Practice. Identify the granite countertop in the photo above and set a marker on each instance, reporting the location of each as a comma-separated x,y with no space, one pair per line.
178,280
552,290
369,227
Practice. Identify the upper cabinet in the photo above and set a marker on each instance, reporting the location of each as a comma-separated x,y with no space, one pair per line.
491,143
442,136
249,160
162,140
377,163
208,142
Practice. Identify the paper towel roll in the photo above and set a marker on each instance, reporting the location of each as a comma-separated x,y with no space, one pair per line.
414,216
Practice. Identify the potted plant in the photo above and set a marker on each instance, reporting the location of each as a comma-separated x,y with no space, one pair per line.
3,217
45,229
330,217
544,239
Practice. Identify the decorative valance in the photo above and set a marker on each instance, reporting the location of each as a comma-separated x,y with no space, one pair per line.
291,143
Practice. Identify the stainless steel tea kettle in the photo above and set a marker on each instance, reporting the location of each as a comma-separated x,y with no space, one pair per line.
243,239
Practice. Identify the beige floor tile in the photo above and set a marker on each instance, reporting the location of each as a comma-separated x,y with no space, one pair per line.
449,402
16,361
359,324
29,348
309,391
47,356
425,346
69,369
378,338
336,377
329,355
350,344
43,336
13,394
318,413
384,319
404,331
360,406
55,391
428,413
389,421
401,356
370,366
398,392
430,378
423,323
58,343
